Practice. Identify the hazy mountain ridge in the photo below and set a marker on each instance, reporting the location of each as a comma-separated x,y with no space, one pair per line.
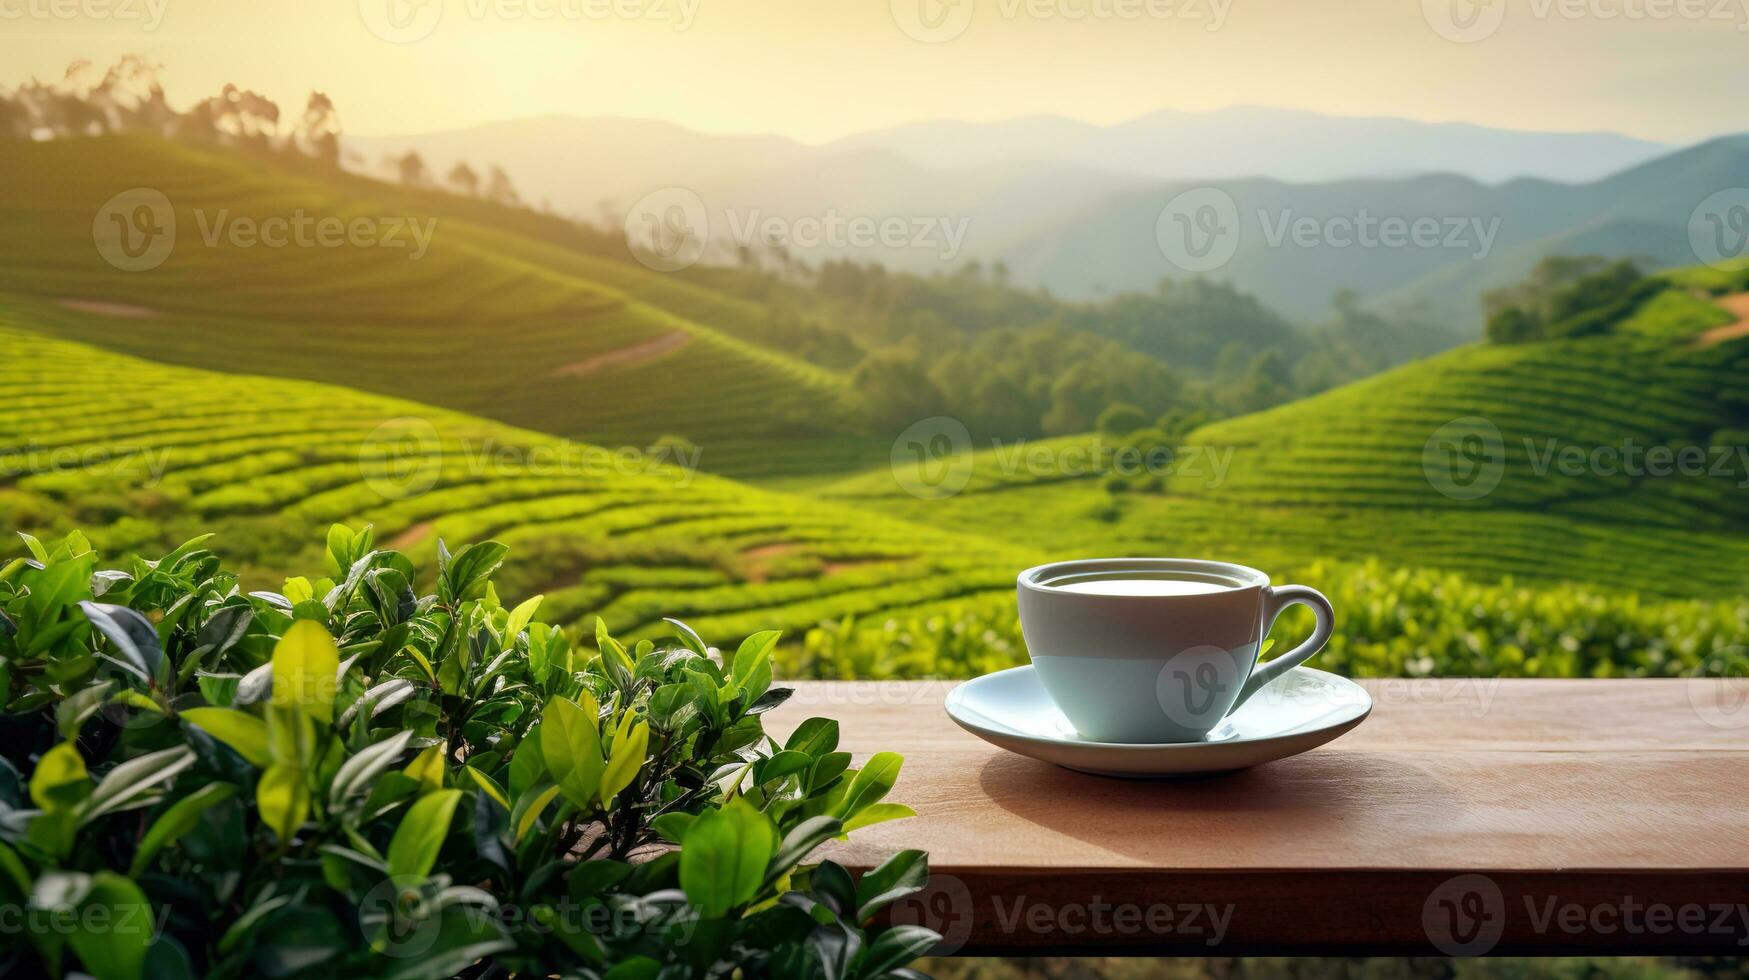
1256,141
1074,207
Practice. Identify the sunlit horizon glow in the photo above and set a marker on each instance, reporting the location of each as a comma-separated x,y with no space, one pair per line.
818,71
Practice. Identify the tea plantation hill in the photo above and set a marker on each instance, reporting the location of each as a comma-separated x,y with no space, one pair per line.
144,455
1350,474
491,319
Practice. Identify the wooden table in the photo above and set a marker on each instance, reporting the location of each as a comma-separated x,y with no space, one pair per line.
1464,816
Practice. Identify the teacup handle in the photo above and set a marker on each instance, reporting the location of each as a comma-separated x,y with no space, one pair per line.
1275,602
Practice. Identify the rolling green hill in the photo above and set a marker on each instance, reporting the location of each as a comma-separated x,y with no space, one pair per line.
479,317
142,455
1533,461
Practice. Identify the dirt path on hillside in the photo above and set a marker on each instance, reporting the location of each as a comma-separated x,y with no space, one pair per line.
1738,306
410,537
758,561
97,307
626,356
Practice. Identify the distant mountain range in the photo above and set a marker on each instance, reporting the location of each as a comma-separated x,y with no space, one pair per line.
1077,207
1254,141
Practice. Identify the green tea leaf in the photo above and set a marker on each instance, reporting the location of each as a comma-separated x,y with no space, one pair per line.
624,761
243,732
60,781
305,665
572,750
179,819
488,786
905,873
520,617
672,827
688,637
427,768
283,799
529,809
800,842
878,813
414,848
897,946
356,774
816,737
723,859
591,878
869,784
751,668
526,765
132,639
116,949
123,786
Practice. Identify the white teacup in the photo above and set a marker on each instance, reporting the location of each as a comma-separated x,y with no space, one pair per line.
1156,649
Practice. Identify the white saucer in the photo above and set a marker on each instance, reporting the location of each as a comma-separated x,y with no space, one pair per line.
1301,710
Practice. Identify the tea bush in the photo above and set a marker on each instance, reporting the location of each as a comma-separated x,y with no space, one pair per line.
346,778
1390,622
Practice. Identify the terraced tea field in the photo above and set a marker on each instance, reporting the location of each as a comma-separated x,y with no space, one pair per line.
1548,474
142,455
458,313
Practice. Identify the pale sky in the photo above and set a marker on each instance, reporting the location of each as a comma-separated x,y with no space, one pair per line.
1672,70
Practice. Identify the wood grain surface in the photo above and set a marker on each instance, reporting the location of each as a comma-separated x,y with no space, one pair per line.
1464,815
